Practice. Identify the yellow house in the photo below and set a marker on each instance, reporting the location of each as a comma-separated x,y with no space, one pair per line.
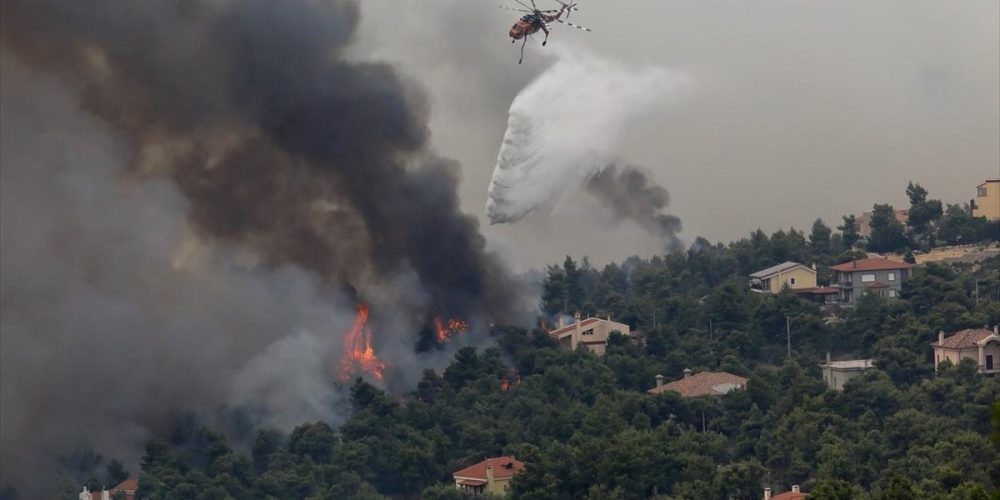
987,202
791,274
591,332
490,476
980,345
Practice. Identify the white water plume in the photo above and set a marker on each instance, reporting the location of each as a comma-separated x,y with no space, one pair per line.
566,126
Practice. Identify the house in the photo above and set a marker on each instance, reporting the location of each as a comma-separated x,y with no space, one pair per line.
490,476
775,278
127,488
591,332
94,495
837,373
987,202
874,275
700,384
864,221
979,345
794,494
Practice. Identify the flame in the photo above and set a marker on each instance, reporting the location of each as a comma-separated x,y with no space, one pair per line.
359,355
444,331
512,380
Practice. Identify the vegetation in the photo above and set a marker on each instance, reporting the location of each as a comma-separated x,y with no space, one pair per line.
586,427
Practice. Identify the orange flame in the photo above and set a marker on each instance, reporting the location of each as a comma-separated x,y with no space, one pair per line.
506,382
359,355
443,331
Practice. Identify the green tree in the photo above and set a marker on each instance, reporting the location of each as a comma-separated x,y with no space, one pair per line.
888,234
819,240
834,489
922,212
849,232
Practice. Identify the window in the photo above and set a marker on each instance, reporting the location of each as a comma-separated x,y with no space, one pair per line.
892,293
868,278
588,332
892,276
791,280
981,191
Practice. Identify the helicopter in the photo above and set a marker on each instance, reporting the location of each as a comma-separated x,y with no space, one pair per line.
538,20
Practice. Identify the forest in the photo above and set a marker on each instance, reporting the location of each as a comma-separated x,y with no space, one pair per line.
586,428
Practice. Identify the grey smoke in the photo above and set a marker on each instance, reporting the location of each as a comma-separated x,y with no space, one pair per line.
113,319
194,196
631,194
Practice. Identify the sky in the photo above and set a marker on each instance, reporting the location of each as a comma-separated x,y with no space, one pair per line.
796,109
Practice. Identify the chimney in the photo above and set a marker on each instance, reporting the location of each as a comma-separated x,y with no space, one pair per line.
795,488
767,493
105,494
996,329
687,372
854,264
940,337
489,474
576,317
827,357
659,381
562,320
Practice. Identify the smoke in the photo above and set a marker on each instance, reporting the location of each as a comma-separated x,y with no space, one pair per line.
195,194
566,127
632,195
280,143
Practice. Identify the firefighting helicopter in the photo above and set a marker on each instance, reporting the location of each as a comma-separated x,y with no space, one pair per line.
536,20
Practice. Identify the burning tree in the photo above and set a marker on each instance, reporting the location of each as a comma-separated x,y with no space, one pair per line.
359,356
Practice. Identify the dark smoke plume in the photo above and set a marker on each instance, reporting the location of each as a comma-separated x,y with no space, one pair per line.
279,141
631,194
242,134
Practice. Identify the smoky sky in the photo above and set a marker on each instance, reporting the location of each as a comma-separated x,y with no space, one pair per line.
278,141
796,110
631,194
196,194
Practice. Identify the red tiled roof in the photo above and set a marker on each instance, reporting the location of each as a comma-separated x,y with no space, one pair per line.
503,467
876,264
965,339
571,327
789,495
818,290
703,384
128,486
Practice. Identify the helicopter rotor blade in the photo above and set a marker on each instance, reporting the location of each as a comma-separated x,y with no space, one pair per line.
577,26
526,6
511,8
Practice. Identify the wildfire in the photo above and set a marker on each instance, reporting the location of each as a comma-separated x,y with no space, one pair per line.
512,380
444,331
359,355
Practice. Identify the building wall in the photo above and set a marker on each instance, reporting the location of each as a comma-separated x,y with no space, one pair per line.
803,278
594,335
989,205
957,355
497,486
860,281
835,378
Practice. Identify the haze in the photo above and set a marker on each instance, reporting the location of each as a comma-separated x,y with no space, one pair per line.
797,109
